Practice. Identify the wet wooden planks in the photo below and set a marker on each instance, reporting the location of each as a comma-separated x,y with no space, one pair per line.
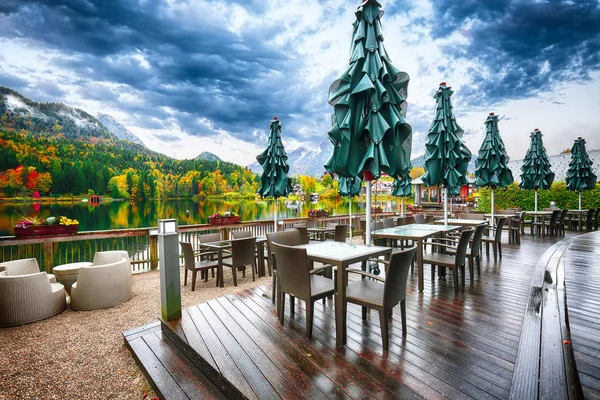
462,346
582,280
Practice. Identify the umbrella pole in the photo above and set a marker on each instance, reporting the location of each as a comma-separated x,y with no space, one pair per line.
350,203
368,216
493,207
580,200
450,205
275,215
402,206
535,200
445,205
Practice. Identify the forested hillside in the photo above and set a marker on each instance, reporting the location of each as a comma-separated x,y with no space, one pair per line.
55,149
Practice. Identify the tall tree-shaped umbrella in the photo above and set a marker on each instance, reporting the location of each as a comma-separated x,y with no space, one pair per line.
491,166
274,181
402,189
580,175
349,187
446,156
369,133
535,171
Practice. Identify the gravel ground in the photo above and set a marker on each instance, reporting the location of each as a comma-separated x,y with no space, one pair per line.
81,354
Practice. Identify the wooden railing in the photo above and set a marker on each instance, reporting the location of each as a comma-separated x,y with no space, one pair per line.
140,243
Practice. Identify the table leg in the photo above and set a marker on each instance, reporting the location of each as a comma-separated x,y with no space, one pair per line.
220,271
543,222
340,306
420,263
261,259
579,224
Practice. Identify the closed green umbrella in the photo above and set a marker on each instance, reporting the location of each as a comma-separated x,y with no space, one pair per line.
535,171
491,166
446,156
402,188
349,187
580,175
369,132
274,181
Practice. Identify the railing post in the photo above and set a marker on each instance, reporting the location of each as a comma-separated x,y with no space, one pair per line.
48,256
153,244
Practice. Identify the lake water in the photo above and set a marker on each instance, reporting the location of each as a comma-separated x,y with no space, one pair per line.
123,214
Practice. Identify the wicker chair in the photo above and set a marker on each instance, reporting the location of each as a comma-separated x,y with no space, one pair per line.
369,293
28,298
102,286
242,255
289,238
203,264
298,280
23,267
341,232
495,240
455,262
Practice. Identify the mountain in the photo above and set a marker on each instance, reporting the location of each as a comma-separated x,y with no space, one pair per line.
304,160
117,129
208,156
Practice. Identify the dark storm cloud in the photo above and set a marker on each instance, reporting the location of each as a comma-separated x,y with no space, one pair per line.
198,68
528,46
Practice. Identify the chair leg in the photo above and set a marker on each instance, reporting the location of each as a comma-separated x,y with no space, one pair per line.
455,279
281,297
194,280
383,321
500,249
403,315
310,305
487,249
464,272
234,272
219,276
253,269
479,265
364,313
471,267
274,288
292,305
432,273
494,247
185,277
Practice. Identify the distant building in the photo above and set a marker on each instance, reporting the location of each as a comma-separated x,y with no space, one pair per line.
433,195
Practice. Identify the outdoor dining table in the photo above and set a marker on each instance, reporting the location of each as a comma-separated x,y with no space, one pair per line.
536,215
580,214
464,223
418,233
226,245
322,231
509,218
342,255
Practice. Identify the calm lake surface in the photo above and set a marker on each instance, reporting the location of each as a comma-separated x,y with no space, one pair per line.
123,214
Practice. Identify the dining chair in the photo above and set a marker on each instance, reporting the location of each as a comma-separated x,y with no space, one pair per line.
419,218
209,238
495,239
341,232
193,265
241,234
455,262
388,222
242,255
383,294
473,253
289,238
560,224
298,281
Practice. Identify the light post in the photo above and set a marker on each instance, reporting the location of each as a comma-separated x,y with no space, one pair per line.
170,283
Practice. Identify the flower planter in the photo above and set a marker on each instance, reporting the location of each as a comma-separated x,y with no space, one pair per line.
318,214
42,230
376,210
224,220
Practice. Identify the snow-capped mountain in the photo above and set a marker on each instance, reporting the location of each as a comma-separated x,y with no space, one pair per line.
117,129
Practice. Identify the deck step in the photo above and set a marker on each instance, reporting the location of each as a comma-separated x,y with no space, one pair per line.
170,372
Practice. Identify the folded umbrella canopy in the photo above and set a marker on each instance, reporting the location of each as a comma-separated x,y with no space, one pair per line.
491,166
369,132
446,156
580,175
274,181
535,171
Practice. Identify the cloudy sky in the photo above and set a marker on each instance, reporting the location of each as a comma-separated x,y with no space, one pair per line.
192,76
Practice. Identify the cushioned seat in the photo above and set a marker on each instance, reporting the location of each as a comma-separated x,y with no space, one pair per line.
28,298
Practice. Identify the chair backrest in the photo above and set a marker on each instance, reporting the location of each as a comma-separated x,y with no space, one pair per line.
303,234
419,219
377,226
20,267
188,255
209,237
429,219
405,220
109,257
563,216
396,276
288,238
341,231
388,222
242,251
332,224
499,227
292,270
461,248
241,234
476,243
554,217
589,218
474,216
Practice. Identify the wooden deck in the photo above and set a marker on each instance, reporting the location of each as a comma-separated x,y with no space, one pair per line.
461,347
582,276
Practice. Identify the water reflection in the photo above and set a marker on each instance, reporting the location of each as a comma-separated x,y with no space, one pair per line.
123,214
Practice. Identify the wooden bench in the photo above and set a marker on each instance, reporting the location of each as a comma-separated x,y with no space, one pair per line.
545,367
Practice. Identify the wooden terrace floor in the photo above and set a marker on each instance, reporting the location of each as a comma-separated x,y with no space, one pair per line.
460,347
